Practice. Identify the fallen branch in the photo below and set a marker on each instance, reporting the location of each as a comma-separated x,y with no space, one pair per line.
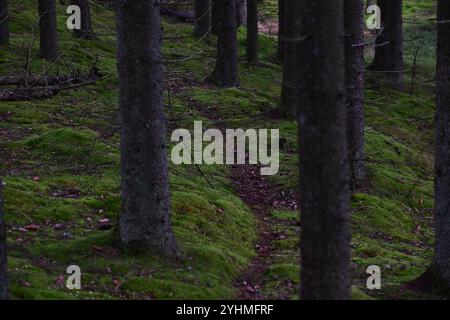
36,93
46,80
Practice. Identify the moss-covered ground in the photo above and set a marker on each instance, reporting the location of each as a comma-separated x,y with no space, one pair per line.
61,170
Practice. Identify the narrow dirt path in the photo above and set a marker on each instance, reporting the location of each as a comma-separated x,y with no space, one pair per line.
261,198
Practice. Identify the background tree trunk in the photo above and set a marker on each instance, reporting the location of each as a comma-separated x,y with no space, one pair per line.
289,92
144,221
389,43
282,20
86,23
441,262
325,239
252,31
354,49
225,73
48,30
241,12
215,16
4,29
203,19
3,264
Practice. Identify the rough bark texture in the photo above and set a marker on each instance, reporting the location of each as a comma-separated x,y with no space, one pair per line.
252,31
48,30
441,262
325,240
289,101
144,221
225,73
282,20
203,19
3,264
4,30
389,44
86,31
354,50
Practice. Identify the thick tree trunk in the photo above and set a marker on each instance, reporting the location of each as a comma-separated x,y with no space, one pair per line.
48,30
282,22
202,27
4,29
3,264
252,31
225,73
86,31
289,92
325,239
441,262
389,43
144,221
354,49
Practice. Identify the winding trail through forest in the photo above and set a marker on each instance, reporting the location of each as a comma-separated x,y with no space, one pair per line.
261,197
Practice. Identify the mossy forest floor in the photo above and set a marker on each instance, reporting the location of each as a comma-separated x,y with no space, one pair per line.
61,169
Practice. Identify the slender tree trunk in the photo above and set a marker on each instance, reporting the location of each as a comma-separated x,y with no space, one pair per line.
48,30
203,19
4,29
282,21
354,49
241,13
3,264
144,221
225,73
289,92
325,240
441,262
252,31
389,43
86,31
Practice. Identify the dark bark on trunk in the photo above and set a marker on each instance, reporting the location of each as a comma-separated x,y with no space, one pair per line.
389,44
289,92
282,21
325,239
215,16
203,19
3,262
252,31
241,12
86,22
144,221
48,30
4,19
441,262
354,39
225,73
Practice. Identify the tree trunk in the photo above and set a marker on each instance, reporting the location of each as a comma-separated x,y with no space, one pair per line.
325,240
144,221
202,27
86,24
282,21
354,49
289,92
441,262
241,12
389,43
252,31
3,264
225,73
215,16
4,29
48,30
